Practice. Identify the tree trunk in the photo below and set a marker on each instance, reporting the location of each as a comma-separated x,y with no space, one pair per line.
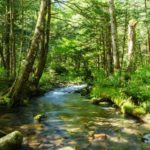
20,83
21,37
44,48
7,37
114,35
2,56
131,45
148,31
124,36
12,41
109,53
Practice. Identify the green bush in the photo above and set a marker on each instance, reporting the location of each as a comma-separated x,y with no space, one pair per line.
3,73
46,77
139,85
102,79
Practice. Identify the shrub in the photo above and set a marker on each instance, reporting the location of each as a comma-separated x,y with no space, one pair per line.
139,85
3,73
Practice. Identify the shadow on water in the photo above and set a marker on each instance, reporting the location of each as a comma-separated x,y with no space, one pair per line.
73,121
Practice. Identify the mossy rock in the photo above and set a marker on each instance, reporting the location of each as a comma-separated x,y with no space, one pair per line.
40,117
12,141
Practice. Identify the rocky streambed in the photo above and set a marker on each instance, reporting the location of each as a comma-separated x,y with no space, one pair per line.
73,123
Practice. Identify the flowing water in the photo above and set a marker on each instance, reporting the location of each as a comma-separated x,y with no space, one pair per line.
72,121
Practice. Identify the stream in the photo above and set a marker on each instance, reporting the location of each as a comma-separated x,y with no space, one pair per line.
73,123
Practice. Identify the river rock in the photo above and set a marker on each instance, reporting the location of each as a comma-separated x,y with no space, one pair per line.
40,117
66,148
11,141
100,136
96,144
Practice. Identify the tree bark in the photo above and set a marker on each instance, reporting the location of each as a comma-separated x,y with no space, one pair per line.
44,48
12,41
131,44
147,26
114,35
2,56
7,36
109,53
124,36
20,83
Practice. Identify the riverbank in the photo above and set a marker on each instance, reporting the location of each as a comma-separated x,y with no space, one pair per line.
32,92
121,101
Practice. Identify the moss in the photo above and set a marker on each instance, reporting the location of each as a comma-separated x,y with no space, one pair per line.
11,141
127,107
139,111
39,117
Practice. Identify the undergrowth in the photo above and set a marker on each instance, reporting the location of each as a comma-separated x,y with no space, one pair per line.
131,95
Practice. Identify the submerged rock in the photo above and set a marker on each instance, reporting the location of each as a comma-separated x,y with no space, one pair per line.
11,141
100,136
146,138
99,145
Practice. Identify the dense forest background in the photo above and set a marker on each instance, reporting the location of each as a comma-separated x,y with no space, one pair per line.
105,43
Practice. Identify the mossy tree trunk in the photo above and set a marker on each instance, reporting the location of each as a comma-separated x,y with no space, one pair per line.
20,83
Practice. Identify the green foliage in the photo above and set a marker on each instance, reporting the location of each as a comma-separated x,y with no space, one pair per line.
69,77
59,69
127,107
139,85
106,85
47,77
106,81
139,111
3,73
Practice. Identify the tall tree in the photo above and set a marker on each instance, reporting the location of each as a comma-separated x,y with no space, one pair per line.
131,44
147,26
44,47
114,34
20,83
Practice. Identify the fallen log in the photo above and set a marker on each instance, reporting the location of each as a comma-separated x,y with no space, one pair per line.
12,141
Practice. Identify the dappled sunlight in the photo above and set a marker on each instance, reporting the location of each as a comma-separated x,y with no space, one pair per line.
75,122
